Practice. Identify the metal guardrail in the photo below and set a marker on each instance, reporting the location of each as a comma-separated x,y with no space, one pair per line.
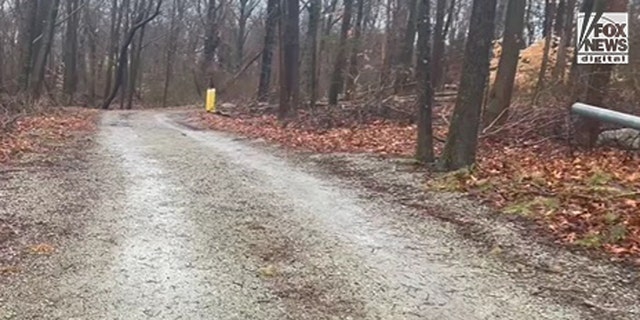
619,118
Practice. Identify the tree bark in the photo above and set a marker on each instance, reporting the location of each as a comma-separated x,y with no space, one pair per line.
548,27
267,50
315,7
39,65
91,37
172,46
502,90
462,141
355,50
501,17
136,60
405,59
114,31
560,13
337,77
424,145
290,58
211,40
71,51
438,45
29,14
565,38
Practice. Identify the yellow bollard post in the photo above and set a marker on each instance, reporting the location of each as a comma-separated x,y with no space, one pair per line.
210,103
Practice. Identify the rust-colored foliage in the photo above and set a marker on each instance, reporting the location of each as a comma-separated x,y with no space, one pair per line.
35,133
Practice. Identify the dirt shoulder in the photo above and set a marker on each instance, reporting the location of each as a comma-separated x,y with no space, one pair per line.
527,251
39,154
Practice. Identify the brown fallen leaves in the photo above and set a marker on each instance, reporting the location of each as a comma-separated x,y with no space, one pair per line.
37,133
41,249
591,199
376,137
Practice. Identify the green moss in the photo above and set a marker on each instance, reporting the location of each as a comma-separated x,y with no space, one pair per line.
526,208
616,233
590,241
599,178
611,218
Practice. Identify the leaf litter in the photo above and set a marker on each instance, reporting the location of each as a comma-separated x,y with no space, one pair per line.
589,199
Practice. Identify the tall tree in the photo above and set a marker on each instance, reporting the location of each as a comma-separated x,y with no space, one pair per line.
290,57
71,50
267,50
565,40
45,41
337,77
438,44
405,58
501,16
462,141
140,21
91,36
315,9
549,9
136,56
28,32
177,15
355,49
500,94
211,41
424,145
114,31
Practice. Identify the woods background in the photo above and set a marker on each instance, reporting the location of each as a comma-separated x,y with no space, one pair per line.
68,50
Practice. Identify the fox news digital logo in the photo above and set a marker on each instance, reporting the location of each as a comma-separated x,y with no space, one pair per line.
604,40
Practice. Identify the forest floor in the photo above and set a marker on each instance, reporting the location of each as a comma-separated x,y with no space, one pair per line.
36,143
153,217
586,199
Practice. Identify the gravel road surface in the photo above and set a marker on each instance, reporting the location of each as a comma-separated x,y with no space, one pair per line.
175,223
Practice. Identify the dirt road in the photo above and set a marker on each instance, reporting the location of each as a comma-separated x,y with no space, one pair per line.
174,223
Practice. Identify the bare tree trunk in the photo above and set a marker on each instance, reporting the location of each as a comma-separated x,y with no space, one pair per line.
174,32
71,51
315,7
500,94
116,20
140,21
290,55
424,145
501,17
211,40
39,65
136,61
565,38
29,14
267,50
337,78
405,59
462,141
560,17
437,60
124,62
531,28
387,53
91,37
549,14
355,50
